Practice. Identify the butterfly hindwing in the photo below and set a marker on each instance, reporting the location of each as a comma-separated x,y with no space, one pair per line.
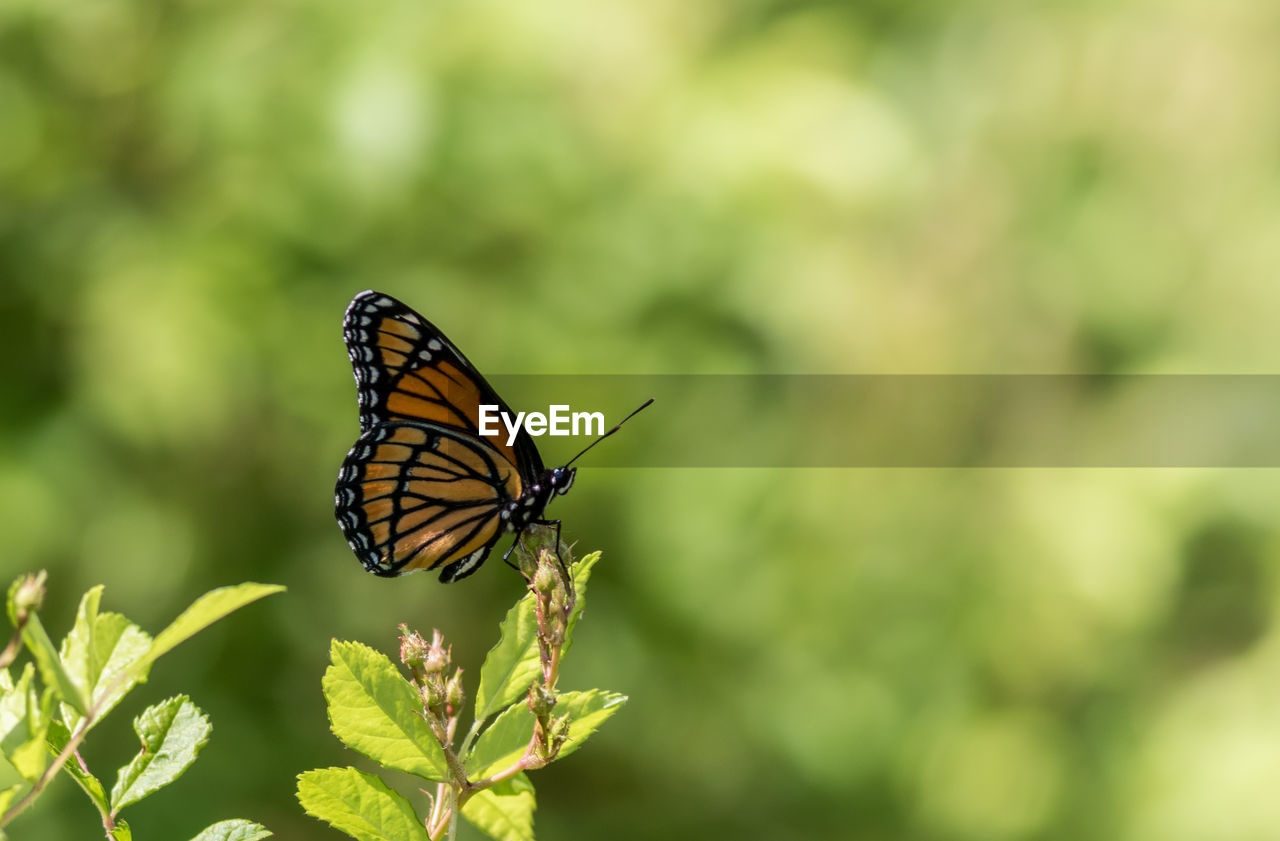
414,496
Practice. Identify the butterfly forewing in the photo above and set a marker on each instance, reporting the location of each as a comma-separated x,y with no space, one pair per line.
406,369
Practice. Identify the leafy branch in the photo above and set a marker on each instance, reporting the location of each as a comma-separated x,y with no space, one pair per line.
99,661
521,722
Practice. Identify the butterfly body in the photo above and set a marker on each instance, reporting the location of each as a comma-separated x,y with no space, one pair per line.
421,488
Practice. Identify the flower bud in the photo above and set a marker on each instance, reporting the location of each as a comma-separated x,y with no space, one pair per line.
437,659
28,595
432,693
413,650
454,695
541,700
544,580
525,561
559,732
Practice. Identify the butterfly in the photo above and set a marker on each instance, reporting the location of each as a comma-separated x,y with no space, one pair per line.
422,488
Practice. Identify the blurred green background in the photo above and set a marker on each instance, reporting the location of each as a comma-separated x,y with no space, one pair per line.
190,193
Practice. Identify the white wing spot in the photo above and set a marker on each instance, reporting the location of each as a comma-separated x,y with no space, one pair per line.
470,563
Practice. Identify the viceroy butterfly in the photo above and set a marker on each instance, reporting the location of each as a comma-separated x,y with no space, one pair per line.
421,487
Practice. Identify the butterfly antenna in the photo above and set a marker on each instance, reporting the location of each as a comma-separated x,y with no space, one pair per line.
610,432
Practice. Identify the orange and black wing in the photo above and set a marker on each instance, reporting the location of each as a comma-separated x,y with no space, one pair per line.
413,496
407,370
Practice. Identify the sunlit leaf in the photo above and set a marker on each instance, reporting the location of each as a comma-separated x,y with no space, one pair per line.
9,796
172,733
501,743
50,665
11,780
504,812
234,830
374,710
58,737
99,654
359,804
587,711
513,664
581,575
204,611
24,721
505,740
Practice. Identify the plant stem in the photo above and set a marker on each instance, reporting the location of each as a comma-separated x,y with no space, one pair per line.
552,628
10,652
439,811
55,766
73,744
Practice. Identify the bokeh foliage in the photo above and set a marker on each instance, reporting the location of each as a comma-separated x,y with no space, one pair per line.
191,191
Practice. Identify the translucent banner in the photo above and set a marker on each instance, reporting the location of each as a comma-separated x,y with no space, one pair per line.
913,420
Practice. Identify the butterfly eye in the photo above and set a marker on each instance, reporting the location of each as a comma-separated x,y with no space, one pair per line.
562,479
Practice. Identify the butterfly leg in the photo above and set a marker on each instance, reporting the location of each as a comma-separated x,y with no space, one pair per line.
506,556
559,560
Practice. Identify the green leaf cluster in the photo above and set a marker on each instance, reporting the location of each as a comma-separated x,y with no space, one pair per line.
63,692
376,711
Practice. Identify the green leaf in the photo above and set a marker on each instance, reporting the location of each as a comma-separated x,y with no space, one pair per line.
587,711
234,830
512,665
12,785
121,832
581,575
505,740
504,812
24,721
9,796
99,653
374,710
50,665
172,733
359,804
58,737
203,612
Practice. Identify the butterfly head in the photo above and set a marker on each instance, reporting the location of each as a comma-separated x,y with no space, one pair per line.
561,479
555,481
